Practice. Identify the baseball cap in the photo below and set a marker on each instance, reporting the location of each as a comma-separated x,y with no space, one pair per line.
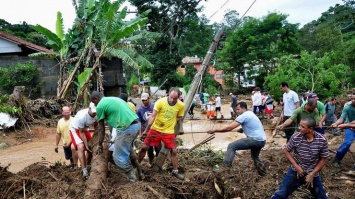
312,95
144,96
92,107
230,93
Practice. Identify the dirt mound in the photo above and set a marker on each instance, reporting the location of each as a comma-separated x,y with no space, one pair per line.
59,180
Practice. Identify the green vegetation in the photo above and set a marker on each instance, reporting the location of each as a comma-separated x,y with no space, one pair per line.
308,73
6,108
20,74
154,43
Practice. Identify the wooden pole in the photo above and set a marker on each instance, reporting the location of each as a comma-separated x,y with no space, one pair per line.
190,95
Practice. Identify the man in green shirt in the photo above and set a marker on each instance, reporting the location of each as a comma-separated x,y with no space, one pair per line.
119,115
322,112
308,110
348,113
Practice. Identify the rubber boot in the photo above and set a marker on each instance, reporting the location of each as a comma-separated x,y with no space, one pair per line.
336,162
260,167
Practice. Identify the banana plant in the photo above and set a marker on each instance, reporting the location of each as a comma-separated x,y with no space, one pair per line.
58,42
114,37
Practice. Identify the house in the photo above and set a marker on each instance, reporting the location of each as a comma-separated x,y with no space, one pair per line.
247,76
197,63
14,46
15,50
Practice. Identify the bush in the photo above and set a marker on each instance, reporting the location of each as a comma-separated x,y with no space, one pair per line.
6,108
20,74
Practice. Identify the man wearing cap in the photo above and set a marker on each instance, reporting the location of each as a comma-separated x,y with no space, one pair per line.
233,105
347,113
120,116
144,112
218,105
321,109
290,104
80,136
309,110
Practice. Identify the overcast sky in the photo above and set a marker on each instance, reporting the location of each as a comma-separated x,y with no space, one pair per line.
44,12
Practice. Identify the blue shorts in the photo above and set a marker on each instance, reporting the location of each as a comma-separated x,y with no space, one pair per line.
67,152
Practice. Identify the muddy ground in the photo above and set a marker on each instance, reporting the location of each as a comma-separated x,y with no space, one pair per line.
37,172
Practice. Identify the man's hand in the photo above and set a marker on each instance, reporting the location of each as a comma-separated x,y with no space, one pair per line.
280,127
56,149
144,134
320,125
300,172
309,180
66,146
181,133
211,131
341,126
334,125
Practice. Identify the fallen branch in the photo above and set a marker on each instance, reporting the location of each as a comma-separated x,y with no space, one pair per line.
27,140
344,178
157,194
58,182
24,189
211,137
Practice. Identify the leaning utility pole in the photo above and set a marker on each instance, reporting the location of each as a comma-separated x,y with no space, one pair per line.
189,97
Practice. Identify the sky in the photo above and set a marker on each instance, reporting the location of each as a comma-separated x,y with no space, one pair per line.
44,12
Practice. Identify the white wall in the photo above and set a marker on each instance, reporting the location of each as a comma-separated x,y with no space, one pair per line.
8,47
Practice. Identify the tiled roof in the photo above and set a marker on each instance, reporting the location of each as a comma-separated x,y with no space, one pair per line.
25,43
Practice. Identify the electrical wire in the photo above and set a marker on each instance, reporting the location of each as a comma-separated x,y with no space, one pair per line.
218,9
247,10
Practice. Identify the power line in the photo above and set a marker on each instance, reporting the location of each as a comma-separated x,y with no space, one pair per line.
247,10
218,9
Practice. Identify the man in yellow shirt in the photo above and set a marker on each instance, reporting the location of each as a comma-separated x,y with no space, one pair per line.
167,111
64,134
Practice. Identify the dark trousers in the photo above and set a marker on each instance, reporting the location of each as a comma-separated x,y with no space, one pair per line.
290,129
151,151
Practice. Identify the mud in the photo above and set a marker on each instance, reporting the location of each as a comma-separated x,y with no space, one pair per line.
37,172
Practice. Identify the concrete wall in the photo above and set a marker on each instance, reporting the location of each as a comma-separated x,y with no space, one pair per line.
114,81
48,72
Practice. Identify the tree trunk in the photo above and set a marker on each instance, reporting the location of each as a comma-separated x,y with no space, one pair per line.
82,90
99,168
189,97
66,84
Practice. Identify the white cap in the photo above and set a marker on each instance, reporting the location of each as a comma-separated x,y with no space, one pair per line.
144,96
230,93
92,107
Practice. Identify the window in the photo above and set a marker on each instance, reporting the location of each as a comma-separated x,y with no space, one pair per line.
219,76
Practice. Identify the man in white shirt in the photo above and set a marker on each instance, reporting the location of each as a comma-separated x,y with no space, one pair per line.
290,103
218,105
80,136
256,98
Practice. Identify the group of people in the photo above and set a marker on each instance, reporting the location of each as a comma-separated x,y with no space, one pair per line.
306,150
153,122
262,102
213,105
310,146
